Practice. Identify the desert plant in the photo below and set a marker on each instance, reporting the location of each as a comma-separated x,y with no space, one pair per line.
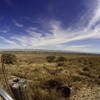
53,83
50,58
60,64
40,94
8,58
60,59
76,78
85,69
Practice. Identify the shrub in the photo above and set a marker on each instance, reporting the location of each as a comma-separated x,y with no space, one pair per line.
85,69
50,58
40,94
60,59
76,78
8,58
53,84
60,64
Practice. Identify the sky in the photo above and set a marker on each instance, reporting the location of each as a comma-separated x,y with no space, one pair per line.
69,25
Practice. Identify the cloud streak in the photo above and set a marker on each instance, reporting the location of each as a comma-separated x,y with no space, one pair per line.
18,24
96,16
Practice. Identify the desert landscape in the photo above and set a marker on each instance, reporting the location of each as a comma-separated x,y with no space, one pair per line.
51,75
49,49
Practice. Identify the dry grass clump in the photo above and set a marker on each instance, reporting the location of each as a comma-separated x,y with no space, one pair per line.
85,69
60,59
55,59
52,84
50,58
41,94
77,79
60,64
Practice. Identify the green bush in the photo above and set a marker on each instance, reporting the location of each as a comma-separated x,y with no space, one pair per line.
51,58
60,59
8,58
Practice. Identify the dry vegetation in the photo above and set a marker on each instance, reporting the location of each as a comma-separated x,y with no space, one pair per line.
46,73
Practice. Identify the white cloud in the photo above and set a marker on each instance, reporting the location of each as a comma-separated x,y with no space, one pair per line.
81,48
4,31
96,16
58,36
32,31
17,24
10,44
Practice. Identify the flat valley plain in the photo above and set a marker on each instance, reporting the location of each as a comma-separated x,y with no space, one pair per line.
45,71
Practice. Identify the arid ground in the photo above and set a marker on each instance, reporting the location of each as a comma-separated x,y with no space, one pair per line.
47,72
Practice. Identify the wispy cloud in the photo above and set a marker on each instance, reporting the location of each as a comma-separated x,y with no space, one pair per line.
3,31
20,25
58,36
10,44
96,16
80,48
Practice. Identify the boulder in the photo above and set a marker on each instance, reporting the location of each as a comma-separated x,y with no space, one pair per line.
66,91
18,87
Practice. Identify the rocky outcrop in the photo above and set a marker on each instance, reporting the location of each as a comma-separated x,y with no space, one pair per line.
18,88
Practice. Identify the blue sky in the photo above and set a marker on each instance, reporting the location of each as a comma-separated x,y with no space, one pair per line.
71,25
